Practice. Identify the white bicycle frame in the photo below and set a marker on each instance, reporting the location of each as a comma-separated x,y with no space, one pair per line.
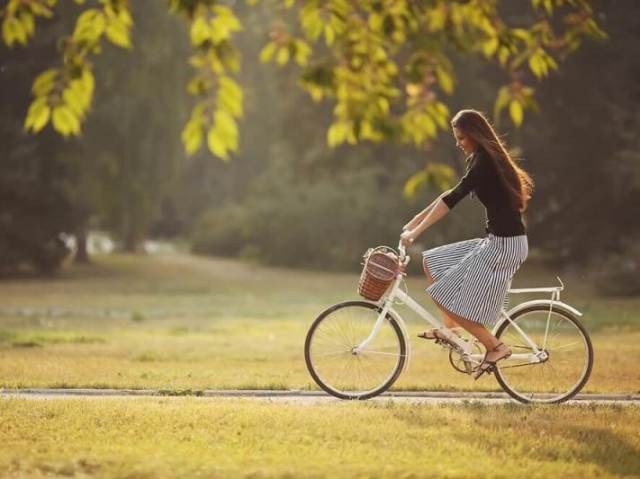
396,294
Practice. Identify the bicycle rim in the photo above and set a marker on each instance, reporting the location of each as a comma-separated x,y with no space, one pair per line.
330,356
562,374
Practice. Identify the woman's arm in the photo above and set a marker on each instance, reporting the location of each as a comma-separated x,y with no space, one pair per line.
439,210
421,216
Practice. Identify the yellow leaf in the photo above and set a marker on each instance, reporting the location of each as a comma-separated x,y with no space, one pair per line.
35,112
199,31
227,129
73,102
302,52
504,96
283,55
41,120
329,35
192,136
64,121
40,9
490,46
267,52
536,65
216,145
444,80
90,25
414,183
515,110
118,34
27,22
44,82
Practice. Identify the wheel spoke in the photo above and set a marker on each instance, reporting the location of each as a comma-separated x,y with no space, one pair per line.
568,360
329,345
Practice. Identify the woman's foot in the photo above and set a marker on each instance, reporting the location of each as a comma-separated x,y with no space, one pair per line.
436,333
499,352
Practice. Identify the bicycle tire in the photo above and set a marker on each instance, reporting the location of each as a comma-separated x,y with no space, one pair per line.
503,367
371,310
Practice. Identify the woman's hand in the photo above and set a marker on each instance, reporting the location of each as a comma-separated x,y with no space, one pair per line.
407,237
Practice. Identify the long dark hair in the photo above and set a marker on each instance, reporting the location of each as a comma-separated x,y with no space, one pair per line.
516,180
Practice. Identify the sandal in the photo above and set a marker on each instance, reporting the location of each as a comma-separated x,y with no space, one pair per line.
500,352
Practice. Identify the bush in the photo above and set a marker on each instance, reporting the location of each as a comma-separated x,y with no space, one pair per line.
324,223
618,274
221,231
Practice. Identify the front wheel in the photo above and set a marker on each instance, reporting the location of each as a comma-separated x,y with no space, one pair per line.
563,364
344,372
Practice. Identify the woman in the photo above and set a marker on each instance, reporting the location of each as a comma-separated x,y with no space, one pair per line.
469,279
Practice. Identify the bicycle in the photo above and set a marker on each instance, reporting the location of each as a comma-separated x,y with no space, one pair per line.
358,349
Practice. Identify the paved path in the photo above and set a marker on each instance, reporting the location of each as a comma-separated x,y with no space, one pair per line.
309,397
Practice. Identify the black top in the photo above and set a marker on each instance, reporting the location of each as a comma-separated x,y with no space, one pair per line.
481,177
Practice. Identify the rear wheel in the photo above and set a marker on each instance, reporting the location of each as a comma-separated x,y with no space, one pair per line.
343,372
564,364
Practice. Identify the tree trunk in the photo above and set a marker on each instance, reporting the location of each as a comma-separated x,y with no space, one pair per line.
82,255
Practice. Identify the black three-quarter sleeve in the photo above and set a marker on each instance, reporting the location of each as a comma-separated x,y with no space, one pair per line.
466,184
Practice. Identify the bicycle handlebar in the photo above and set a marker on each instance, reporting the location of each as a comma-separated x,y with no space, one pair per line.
404,258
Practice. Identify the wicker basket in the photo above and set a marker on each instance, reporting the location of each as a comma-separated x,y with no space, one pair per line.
381,266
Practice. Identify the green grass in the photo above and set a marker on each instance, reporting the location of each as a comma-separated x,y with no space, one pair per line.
179,322
198,437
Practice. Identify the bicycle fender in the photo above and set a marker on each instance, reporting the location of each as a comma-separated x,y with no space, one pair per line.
547,303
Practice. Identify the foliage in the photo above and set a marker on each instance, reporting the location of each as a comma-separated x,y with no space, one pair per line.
221,231
384,62
35,206
583,153
618,274
28,238
327,222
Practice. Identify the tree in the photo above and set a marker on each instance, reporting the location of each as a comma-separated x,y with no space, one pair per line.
384,62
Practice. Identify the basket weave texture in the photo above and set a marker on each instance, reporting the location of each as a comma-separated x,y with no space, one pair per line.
381,266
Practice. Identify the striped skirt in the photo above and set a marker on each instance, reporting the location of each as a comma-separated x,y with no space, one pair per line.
471,277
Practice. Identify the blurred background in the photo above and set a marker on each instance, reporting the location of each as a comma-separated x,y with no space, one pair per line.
185,185
126,179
